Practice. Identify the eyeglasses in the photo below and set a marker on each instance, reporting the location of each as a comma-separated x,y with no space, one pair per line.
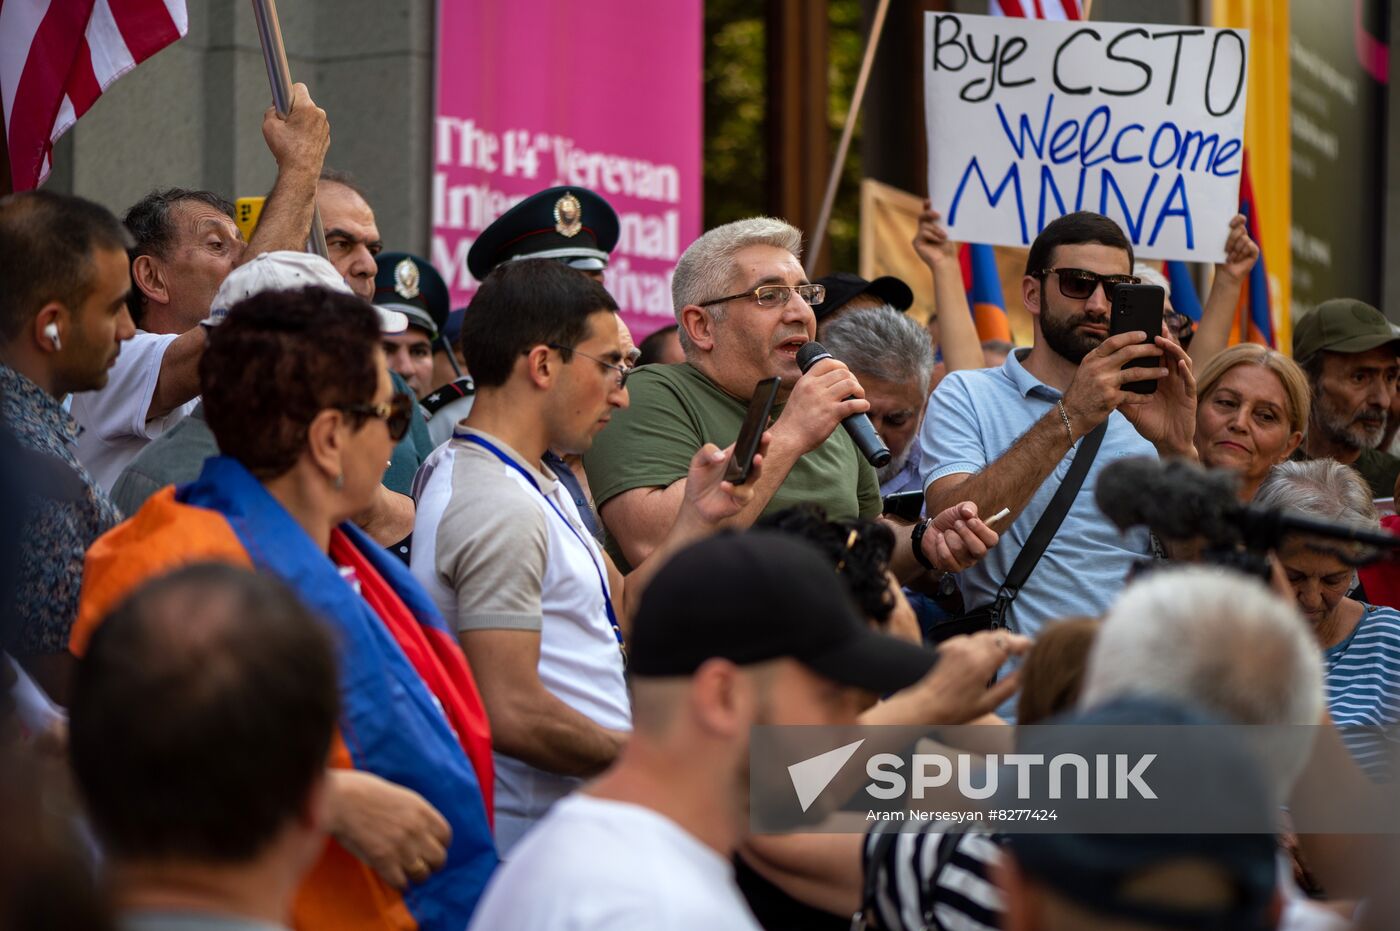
776,295
397,414
622,370
1180,325
1077,284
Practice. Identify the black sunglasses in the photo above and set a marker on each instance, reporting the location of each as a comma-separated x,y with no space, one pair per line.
1079,284
397,414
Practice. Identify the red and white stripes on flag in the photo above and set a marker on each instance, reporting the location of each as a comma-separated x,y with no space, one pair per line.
58,56
1037,9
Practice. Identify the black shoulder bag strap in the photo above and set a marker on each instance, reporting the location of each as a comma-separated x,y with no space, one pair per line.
1049,524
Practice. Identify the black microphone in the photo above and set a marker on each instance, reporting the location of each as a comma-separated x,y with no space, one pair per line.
858,426
1180,499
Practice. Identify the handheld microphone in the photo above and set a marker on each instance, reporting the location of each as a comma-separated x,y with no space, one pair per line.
1182,500
858,426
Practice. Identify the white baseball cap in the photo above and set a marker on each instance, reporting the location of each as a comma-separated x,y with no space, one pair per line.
285,271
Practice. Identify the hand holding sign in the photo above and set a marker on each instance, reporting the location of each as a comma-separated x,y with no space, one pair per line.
1029,120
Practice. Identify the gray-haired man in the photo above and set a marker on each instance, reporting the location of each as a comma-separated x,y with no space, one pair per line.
893,359
743,303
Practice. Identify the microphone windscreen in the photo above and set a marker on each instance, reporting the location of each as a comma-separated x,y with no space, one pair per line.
809,353
1175,498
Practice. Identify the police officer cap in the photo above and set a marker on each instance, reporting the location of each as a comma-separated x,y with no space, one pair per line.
571,224
414,288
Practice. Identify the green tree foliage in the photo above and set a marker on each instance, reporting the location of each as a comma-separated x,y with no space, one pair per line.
736,94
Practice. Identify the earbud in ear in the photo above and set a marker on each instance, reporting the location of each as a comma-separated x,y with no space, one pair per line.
51,331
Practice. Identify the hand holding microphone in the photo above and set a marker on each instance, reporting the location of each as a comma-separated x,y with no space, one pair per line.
827,394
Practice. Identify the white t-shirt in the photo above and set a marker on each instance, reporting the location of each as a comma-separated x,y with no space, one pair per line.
113,419
494,555
599,864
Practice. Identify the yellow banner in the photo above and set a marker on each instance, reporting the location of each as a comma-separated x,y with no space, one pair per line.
1268,143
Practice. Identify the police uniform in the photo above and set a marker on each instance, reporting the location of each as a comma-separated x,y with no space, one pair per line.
410,285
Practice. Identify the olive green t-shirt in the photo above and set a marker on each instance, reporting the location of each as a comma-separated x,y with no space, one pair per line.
675,410
1380,470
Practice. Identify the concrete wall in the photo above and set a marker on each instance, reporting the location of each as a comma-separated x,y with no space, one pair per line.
191,116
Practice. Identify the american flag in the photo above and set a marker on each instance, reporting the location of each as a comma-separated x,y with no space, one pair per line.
58,56
1037,9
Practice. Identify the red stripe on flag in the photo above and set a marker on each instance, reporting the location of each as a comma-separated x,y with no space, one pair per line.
1071,9
1012,8
145,25
1039,10
39,93
82,87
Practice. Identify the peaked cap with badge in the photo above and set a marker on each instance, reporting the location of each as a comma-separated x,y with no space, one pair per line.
410,285
571,224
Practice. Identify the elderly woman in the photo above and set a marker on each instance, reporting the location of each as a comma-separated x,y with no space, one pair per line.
298,395
1360,642
1251,410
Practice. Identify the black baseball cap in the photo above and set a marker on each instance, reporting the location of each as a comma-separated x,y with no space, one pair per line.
842,287
1106,873
763,595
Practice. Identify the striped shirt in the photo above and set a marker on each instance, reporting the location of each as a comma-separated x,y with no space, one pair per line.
1363,688
938,878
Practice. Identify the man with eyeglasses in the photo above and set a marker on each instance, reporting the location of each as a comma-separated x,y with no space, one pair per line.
744,308
499,543
1005,437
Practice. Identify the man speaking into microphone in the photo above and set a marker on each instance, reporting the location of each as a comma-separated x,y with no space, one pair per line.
743,306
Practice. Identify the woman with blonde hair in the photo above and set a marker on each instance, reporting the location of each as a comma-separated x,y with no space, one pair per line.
1252,406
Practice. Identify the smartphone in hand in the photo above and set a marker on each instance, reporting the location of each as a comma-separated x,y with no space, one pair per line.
1138,307
904,505
765,394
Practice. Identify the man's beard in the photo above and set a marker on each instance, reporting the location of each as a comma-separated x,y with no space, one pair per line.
1064,336
1347,429
896,464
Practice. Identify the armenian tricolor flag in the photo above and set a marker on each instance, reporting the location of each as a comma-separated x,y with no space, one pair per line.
983,284
410,711
1185,300
1254,298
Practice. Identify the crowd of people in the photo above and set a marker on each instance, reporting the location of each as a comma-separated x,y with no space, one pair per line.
329,606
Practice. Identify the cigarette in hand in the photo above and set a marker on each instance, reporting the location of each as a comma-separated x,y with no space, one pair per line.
997,516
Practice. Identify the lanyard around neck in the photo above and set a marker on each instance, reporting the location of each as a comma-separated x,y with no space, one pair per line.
602,582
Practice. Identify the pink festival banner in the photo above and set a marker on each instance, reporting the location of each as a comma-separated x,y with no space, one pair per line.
605,95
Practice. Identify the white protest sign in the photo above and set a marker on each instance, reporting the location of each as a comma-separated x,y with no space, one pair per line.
1029,120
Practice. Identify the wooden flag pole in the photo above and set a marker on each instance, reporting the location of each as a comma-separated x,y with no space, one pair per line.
814,247
280,77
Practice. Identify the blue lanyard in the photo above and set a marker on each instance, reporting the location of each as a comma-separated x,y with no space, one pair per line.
602,582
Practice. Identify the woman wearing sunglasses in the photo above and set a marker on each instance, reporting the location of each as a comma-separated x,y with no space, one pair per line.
297,393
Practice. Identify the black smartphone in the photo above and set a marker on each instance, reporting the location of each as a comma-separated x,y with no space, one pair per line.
905,506
1138,307
765,393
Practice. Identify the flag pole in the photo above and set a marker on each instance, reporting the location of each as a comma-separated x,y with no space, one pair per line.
834,179
280,77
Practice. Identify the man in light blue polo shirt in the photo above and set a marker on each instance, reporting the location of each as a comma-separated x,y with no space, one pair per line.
1003,437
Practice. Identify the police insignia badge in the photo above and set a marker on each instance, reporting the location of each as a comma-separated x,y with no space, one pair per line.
568,215
406,279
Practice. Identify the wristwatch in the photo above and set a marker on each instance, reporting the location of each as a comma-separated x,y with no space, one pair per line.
916,540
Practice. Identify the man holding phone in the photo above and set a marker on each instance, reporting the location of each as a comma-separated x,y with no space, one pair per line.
1006,437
